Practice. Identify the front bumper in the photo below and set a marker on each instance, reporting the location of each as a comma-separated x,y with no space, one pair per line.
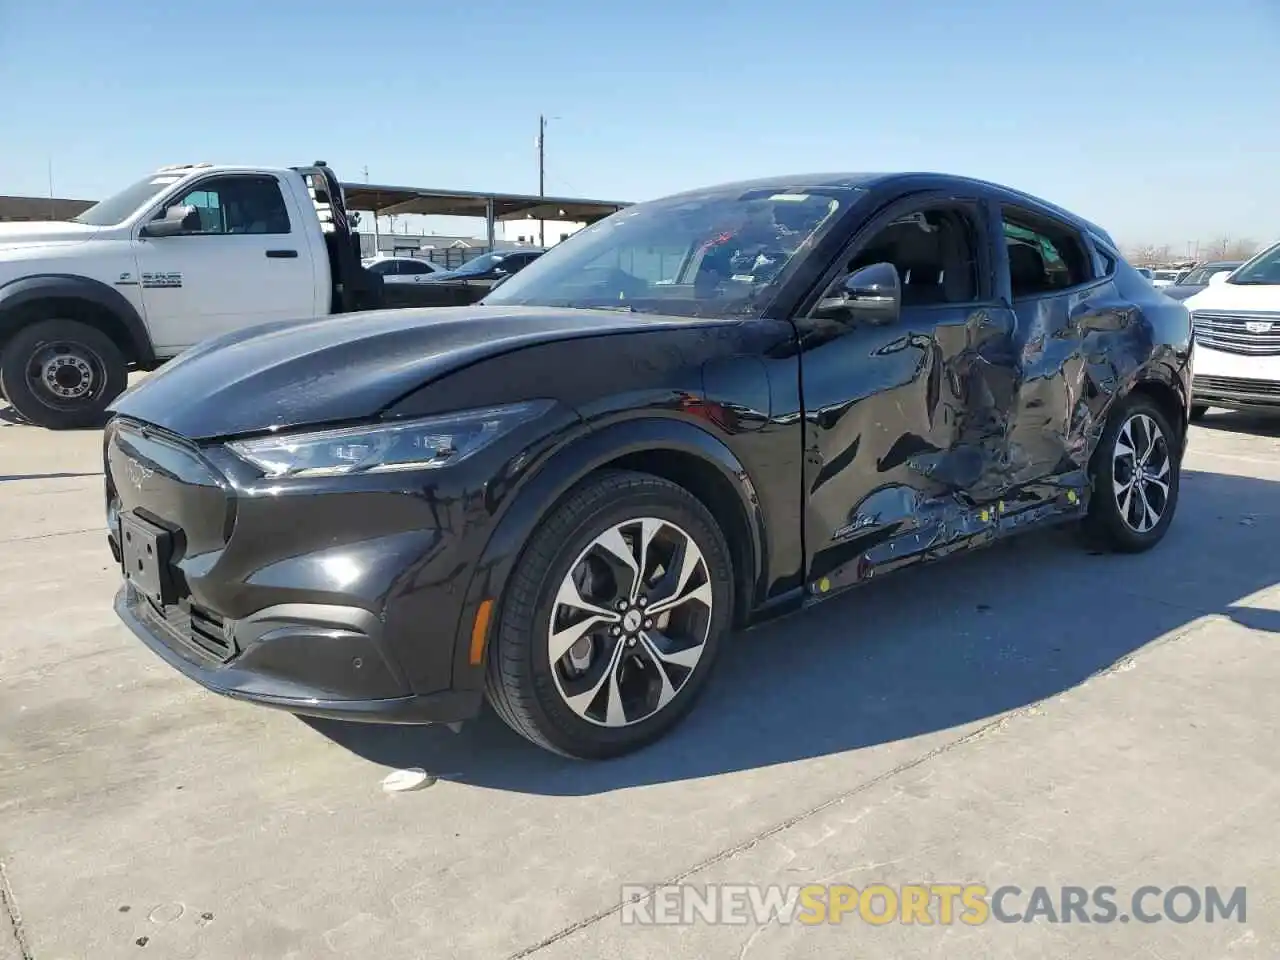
341,597
1235,393
308,684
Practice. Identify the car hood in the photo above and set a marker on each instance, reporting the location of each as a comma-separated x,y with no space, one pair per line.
1182,291
23,233
1237,296
345,367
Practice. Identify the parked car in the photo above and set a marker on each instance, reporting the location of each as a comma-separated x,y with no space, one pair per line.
189,252
1198,278
402,269
1237,332
1164,278
693,415
1146,272
468,283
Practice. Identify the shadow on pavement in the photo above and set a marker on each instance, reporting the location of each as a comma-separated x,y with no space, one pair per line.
922,651
1238,421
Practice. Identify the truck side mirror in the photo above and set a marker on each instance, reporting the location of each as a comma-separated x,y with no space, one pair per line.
176,220
870,294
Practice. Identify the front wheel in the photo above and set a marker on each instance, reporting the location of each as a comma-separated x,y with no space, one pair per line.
62,374
612,619
1136,470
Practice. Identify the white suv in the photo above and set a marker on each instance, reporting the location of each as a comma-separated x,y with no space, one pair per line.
1237,331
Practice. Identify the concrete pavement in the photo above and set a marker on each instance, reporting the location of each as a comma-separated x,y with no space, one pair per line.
1031,715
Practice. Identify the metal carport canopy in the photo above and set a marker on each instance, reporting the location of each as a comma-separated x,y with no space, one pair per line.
385,201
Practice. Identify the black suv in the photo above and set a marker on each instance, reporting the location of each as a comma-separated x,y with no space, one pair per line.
697,413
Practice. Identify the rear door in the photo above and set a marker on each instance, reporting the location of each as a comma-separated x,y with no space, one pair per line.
1068,314
248,262
904,422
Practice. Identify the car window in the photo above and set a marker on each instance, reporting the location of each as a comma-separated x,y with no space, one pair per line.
716,253
238,205
1044,257
935,251
382,267
414,266
1262,270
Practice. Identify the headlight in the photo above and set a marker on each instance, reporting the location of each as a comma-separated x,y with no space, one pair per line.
383,447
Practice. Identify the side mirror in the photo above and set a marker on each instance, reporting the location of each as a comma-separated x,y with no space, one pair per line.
1219,278
871,294
176,220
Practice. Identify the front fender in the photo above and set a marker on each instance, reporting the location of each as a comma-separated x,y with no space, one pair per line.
592,450
17,293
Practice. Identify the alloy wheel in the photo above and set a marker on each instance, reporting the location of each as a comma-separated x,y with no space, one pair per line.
630,622
1141,463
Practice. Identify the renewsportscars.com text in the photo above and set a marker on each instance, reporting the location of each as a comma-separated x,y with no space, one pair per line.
927,904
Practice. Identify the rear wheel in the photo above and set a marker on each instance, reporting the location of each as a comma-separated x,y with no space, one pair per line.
1136,470
62,374
1198,410
612,619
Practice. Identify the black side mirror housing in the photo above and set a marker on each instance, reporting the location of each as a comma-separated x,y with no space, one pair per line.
176,220
871,294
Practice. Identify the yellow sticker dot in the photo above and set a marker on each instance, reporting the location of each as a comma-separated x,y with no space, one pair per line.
1071,496
1000,506
985,515
824,585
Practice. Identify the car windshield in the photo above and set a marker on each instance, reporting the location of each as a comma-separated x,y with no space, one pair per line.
1200,275
481,264
1166,274
1262,270
117,209
715,254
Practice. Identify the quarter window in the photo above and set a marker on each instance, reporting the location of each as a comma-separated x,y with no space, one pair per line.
1043,257
238,205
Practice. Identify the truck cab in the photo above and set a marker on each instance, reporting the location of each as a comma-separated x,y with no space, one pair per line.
190,252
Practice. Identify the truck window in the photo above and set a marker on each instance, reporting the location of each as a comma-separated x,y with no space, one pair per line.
238,205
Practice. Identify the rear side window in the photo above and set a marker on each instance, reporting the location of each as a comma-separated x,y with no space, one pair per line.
413,266
1044,257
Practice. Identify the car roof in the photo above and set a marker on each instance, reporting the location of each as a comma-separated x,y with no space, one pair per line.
918,180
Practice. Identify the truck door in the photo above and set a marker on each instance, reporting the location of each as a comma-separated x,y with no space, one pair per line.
247,262
904,420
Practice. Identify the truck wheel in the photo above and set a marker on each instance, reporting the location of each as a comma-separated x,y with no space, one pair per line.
612,618
62,374
1198,410
1136,469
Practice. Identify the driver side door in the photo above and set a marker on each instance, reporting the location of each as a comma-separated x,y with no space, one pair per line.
904,420
247,262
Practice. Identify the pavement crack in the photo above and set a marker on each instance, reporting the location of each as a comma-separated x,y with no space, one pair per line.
769,832
15,916
46,536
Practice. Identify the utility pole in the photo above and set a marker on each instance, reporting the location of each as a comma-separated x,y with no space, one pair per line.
51,210
542,174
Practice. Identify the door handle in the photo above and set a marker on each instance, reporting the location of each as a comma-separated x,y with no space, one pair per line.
282,254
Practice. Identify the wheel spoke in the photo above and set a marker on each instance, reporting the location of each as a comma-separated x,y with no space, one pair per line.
1124,442
581,703
649,528
666,692
570,596
687,657
1163,471
620,557
562,640
1158,484
1126,502
690,560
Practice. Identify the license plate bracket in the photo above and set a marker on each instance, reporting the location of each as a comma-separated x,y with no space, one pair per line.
146,550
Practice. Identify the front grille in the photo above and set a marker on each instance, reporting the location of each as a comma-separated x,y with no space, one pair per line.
196,626
1230,333
1235,386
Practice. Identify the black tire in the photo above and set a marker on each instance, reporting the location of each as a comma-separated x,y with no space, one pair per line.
1198,410
38,403
519,681
1106,524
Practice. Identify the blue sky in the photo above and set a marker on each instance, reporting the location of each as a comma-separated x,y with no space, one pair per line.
1158,119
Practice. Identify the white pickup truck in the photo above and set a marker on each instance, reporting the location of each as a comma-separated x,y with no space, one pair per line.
187,253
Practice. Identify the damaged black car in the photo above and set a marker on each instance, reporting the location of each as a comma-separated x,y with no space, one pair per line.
695,414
